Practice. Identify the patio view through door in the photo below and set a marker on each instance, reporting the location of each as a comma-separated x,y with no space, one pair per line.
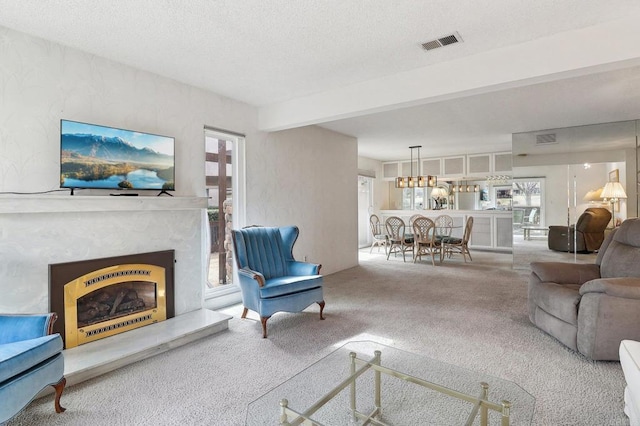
527,202
222,185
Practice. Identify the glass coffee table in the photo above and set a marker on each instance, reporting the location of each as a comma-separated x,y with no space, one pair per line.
367,383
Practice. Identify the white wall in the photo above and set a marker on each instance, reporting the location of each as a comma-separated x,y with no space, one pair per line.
42,82
308,177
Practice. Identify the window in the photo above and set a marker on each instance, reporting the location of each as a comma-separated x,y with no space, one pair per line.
527,197
413,198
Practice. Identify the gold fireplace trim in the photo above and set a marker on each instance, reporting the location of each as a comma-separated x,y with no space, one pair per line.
106,277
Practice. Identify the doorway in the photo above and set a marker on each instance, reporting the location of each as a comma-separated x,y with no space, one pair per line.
225,210
365,208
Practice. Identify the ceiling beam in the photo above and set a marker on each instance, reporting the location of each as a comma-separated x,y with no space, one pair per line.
604,47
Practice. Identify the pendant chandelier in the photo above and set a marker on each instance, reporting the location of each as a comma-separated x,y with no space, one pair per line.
416,181
466,187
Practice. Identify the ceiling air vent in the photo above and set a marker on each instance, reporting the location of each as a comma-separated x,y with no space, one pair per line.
546,139
442,41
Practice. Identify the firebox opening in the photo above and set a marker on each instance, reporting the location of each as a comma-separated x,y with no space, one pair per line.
116,301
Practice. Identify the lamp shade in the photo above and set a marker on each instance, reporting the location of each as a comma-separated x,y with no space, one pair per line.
439,192
594,195
613,190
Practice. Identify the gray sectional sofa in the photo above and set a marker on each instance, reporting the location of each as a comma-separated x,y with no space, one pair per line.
591,308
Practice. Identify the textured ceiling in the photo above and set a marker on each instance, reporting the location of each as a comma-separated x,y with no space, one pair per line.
267,52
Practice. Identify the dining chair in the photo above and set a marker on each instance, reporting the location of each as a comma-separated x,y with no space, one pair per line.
378,234
532,219
424,239
518,217
412,218
444,226
459,245
398,241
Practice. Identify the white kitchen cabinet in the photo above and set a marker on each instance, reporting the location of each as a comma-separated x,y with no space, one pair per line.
479,164
453,166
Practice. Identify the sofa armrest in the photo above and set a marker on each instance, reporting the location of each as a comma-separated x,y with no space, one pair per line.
14,328
625,287
303,268
565,273
246,275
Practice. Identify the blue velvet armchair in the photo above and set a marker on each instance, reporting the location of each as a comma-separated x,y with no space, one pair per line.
30,360
271,280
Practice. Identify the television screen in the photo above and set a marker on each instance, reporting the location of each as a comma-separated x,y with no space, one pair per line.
93,156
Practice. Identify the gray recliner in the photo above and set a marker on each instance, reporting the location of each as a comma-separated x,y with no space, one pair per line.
591,308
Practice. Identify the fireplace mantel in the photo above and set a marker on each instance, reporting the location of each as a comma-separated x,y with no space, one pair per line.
39,230
80,203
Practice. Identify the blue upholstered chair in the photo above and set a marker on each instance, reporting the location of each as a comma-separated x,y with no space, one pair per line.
271,280
30,360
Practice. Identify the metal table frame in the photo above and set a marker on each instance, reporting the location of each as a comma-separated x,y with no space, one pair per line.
481,403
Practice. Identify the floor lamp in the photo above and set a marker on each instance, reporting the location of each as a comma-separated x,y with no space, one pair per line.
613,191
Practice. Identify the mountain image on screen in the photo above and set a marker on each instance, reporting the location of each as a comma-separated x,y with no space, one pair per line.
112,149
90,160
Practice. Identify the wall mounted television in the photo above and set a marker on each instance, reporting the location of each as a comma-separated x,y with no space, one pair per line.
94,156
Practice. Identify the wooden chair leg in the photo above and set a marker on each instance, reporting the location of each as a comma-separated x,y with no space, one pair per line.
390,250
244,313
263,320
321,309
59,387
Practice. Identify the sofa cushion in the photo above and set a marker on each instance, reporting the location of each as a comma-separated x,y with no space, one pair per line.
561,330
20,356
620,260
623,252
289,284
561,301
564,272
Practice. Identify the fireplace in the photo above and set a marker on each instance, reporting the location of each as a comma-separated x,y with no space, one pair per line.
102,297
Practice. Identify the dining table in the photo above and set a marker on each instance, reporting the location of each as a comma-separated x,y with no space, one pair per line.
441,232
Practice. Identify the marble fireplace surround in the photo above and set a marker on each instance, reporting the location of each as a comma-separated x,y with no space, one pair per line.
36,231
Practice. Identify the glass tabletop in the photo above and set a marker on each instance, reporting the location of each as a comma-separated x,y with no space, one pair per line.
401,402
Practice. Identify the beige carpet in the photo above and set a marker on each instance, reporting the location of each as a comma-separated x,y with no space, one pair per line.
537,250
472,315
